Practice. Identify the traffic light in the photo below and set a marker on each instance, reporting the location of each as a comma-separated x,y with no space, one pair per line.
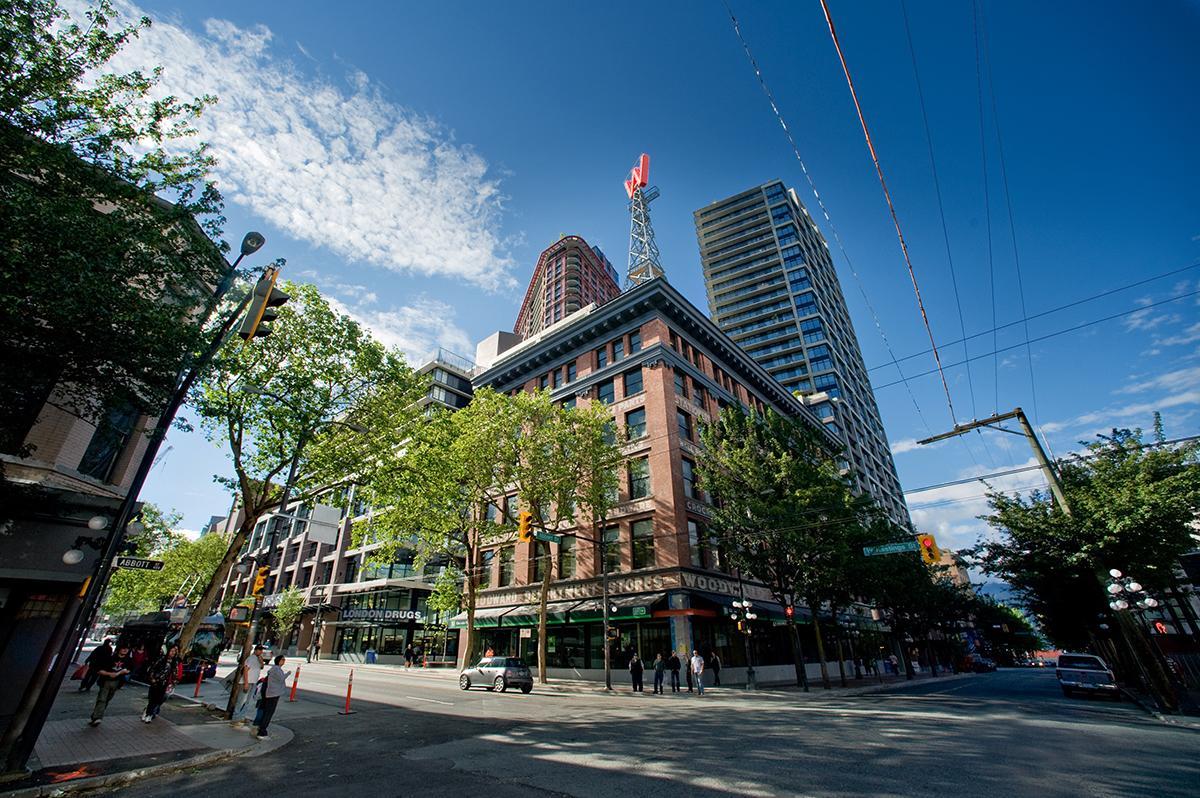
263,306
789,611
524,526
260,581
930,553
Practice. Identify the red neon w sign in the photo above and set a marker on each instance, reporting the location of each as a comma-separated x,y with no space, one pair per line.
638,176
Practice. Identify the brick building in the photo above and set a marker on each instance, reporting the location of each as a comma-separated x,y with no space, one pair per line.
662,367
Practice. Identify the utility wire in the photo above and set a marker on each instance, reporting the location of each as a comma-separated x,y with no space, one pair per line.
937,187
891,208
1041,338
987,204
1054,310
1012,225
1022,469
762,82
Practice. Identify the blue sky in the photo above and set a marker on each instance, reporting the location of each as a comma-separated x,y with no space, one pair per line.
414,159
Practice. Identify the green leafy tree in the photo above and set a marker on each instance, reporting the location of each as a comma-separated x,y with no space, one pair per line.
107,216
783,508
1133,508
187,564
446,598
295,397
287,612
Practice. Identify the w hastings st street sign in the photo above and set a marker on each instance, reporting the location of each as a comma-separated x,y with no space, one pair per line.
891,548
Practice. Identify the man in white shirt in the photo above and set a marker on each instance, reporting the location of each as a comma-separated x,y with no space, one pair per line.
697,666
251,672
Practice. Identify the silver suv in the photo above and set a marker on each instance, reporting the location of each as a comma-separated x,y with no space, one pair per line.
497,673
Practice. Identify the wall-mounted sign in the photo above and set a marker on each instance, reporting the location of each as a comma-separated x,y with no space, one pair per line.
138,563
370,614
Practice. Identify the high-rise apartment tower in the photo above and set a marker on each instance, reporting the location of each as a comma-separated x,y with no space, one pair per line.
772,288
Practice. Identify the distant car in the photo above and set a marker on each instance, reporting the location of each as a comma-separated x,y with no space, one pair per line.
497,673
1086,673
982,665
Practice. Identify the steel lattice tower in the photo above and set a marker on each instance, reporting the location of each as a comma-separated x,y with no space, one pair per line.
644,261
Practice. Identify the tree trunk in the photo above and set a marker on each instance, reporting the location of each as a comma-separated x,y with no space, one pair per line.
841,662
204,603
469,585
544,594
798,655
821,651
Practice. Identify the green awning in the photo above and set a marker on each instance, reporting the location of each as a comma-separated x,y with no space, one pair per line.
626,607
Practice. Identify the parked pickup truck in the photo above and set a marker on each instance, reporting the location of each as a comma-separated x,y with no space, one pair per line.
1085,673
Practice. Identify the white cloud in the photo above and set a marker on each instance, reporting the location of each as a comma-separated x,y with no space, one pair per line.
1171,381
337,166
1190,335
906,445
417,329
951,513
1137,414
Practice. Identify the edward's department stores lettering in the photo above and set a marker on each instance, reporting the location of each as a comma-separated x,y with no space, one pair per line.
650,583
381,615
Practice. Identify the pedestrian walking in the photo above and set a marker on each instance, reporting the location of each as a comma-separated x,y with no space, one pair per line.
249,673
660,670
635,671
101,657
409,656
113,676
673,665
275,686
163,674
894,661
137,659
715,664
697,670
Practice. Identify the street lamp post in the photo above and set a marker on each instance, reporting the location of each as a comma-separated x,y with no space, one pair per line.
27,726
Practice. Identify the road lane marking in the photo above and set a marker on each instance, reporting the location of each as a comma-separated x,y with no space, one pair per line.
430,700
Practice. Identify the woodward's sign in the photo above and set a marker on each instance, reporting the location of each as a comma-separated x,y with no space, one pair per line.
649,583
381,615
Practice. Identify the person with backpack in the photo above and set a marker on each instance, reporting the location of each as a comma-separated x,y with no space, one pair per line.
112,677
249,673
275,685
100,656
163,674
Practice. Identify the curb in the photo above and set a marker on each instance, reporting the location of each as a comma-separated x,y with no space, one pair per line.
1149,709
129,776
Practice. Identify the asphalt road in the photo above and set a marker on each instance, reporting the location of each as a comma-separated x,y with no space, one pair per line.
1009,733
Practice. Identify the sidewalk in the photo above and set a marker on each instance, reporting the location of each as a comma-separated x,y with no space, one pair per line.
70,755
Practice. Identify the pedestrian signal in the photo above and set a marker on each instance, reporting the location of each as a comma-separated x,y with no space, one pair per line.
930,553
525,526
260,581
789,611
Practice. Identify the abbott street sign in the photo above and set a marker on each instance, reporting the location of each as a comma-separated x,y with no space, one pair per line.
891,548
137,563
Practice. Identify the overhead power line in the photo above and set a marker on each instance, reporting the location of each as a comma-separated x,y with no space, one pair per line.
1054,310
937,187
912,274
1022,469
762,82
1047,336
